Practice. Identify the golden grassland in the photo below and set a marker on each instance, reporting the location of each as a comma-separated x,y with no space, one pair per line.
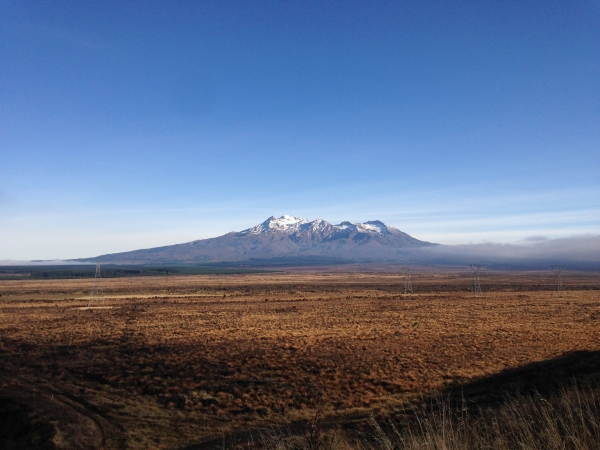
178,360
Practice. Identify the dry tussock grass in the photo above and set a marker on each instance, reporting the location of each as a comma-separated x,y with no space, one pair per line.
180,359
569,420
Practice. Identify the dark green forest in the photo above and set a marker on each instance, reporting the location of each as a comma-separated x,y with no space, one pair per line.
115,271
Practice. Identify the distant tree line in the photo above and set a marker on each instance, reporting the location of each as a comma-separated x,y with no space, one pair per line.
64,272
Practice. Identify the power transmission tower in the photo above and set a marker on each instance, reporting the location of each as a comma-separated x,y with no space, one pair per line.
560,288
475,285
407,284
97,294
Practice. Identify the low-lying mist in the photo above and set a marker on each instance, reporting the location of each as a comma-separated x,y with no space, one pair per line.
576,252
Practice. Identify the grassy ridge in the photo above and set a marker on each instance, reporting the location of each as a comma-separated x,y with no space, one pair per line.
567,420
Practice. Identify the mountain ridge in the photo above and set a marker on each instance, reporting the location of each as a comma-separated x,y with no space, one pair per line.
286,236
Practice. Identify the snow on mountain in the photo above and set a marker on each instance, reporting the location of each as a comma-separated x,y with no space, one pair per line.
288,224
374,226
285,224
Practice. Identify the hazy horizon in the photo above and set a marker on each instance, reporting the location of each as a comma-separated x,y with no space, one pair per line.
535,251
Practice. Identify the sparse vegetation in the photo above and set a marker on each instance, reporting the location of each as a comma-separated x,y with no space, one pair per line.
188,359
568,420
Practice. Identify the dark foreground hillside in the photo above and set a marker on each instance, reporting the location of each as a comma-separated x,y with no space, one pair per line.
552,404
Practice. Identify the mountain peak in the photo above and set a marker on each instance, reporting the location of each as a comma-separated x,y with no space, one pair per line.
285,223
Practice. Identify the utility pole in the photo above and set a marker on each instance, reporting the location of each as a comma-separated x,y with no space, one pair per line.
407,284
475,285
97,294
560,287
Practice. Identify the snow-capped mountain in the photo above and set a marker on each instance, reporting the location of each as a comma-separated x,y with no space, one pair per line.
290,225
284,237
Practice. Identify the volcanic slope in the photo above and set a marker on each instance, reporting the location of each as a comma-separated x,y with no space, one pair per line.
283,237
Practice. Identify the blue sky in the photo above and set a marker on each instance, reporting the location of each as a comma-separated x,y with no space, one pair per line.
128,125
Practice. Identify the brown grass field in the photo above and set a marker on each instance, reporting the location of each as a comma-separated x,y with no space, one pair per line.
184,361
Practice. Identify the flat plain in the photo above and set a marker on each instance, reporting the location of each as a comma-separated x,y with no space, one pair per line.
182,361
